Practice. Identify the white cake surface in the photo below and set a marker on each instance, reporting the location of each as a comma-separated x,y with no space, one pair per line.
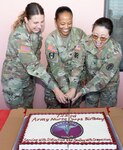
95,132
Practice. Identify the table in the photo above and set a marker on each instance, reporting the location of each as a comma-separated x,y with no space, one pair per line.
3,117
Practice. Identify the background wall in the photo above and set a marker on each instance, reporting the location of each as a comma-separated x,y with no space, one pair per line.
85,13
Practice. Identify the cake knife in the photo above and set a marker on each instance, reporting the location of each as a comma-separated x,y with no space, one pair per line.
69,107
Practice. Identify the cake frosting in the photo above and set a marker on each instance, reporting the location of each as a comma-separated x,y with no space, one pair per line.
74,131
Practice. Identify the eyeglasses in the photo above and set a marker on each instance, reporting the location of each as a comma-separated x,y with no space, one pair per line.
102,39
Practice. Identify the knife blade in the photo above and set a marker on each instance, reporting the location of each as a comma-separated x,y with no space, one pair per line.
69,108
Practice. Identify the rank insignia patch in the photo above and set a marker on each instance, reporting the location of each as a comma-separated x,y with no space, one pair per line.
78,47
51,55
76,55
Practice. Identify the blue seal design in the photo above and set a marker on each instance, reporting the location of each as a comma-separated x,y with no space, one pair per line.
66,129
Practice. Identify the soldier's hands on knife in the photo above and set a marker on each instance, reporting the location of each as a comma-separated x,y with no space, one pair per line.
61,97
76,97
71,93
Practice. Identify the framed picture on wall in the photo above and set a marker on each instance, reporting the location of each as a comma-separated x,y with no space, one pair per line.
114,11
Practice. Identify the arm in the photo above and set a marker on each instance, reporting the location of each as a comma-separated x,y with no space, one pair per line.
34,68
77,61
77,69
55,64
104,75
31,64
100,80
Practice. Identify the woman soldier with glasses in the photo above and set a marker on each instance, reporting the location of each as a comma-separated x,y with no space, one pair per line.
102,63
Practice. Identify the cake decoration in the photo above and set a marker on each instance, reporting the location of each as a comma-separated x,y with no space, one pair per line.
66,129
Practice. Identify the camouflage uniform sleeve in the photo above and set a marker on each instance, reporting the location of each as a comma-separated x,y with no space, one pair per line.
55,65
31,63
105,74
77,64
78,61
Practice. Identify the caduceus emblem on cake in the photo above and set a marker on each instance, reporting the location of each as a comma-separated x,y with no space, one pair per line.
66,129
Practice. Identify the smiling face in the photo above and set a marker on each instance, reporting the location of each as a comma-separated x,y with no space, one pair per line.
100,36
64,23
36,23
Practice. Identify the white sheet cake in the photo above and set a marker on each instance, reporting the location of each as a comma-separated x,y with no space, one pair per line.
82,131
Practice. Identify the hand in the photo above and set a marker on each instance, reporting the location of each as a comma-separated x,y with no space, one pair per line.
71,93
60,96
76,97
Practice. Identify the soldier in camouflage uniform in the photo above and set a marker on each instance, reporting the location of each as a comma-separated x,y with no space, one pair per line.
22,63
102,62
65,56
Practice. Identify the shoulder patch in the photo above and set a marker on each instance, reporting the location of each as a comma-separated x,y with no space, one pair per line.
52,48
24,49
110,66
